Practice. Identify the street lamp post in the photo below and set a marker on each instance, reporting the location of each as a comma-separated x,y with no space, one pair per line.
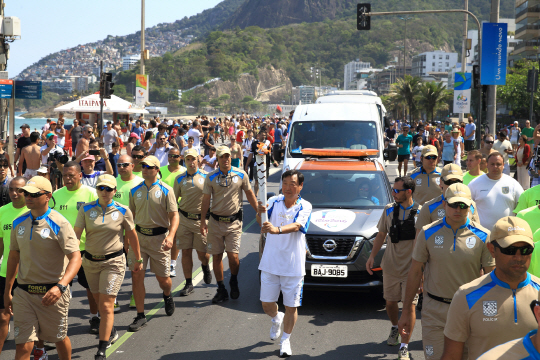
405,42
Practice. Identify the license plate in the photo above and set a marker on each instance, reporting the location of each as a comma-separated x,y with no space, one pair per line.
329,271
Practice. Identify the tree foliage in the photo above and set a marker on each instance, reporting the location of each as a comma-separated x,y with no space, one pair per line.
432,97
515,93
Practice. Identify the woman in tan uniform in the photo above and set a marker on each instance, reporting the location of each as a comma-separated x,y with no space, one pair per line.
105,221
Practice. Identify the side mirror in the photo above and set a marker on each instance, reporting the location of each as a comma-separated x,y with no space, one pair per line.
269,195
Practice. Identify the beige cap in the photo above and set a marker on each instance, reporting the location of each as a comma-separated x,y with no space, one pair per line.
455,130
191,152
458,193
429,150
510,230
452,171
222,150
151,160
106,180
37,184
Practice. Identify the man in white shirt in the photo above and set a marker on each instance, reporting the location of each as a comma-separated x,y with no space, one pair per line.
196,132
504,147
284,256
161,149
496,194
109,136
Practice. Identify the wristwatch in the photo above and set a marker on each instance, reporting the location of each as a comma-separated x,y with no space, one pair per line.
279,228
140,261
62,288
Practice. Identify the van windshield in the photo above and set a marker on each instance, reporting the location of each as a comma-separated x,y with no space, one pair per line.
345,189
332,135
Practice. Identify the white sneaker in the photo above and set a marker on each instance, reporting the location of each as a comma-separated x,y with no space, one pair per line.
275,330
285,348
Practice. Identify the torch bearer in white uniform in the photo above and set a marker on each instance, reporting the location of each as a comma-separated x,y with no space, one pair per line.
260,159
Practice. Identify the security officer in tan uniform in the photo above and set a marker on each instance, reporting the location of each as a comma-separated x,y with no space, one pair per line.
45,251
427,176
495,308
397,220
433,210
189,186
155,211
105,221
225,186
453,250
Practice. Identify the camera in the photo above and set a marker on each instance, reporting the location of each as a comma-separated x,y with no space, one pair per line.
93,152
59,156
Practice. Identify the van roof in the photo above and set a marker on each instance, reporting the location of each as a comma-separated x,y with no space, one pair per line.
364,99
352,92
350,165
332,111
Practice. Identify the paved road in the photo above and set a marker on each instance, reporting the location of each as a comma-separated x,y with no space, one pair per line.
330,325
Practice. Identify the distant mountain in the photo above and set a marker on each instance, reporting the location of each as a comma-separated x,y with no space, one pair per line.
276,13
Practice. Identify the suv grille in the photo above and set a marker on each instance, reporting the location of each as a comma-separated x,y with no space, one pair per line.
344,245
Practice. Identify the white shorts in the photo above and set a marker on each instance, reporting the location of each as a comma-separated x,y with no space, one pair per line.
292,288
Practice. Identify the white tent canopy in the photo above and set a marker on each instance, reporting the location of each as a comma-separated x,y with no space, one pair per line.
91,104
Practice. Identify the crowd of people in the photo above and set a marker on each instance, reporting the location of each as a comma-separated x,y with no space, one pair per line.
101,209
462,251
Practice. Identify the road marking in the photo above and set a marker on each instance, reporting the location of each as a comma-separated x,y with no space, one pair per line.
197,277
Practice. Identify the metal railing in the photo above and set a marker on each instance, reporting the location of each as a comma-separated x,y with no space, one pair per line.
527,27
527,44
532,9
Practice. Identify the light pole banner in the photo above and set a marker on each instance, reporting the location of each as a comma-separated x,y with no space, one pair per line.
494,52
141,97
462,93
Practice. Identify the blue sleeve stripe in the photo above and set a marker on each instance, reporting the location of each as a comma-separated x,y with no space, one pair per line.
54,226
474,296
472,209
434,206
239,173
482,235
203,175
136,188
89,206
389,210
164,189
432,230
20,219
414,175
119,208
213,176
180,178
535,285
304,228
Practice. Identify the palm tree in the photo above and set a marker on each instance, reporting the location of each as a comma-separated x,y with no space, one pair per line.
433,97
405,91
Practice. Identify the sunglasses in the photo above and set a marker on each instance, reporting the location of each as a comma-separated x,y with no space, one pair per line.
5,166
490,142
138,157
431,157
144,166
104,188
512,250
450,182
34,195
173,156
162,139
123,165
462,206
396,191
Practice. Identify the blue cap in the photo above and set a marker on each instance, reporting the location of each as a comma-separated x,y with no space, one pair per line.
437,129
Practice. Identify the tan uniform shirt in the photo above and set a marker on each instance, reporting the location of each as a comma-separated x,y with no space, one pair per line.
104,227
190,189
433,210
397,257
521,348
152,206
427,185
451,259
43,247
486,312
226,190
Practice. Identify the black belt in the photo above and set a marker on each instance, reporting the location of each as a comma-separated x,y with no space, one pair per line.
39,289
192,216
151,231
91,257
440,299
227,219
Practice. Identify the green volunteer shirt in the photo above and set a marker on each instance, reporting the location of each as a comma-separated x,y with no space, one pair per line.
531,216
534,267
7,214
69,202
530,197
467,178
529,132
168,177
123,188
406,142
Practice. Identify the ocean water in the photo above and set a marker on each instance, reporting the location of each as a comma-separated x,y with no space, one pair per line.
35,124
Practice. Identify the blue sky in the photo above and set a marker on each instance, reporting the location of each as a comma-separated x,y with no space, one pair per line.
47,27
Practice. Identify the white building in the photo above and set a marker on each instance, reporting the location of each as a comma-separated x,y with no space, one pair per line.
433,61
128,62
351,69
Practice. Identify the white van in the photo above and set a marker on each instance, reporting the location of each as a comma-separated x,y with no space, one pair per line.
333,126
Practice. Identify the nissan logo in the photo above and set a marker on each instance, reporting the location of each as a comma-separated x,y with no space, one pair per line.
329,245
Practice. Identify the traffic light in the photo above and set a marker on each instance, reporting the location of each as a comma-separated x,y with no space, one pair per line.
107,86
476,76
363,21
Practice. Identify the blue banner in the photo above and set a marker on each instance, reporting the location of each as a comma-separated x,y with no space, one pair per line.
494,48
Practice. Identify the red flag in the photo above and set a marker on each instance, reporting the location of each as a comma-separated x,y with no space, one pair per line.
279,109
